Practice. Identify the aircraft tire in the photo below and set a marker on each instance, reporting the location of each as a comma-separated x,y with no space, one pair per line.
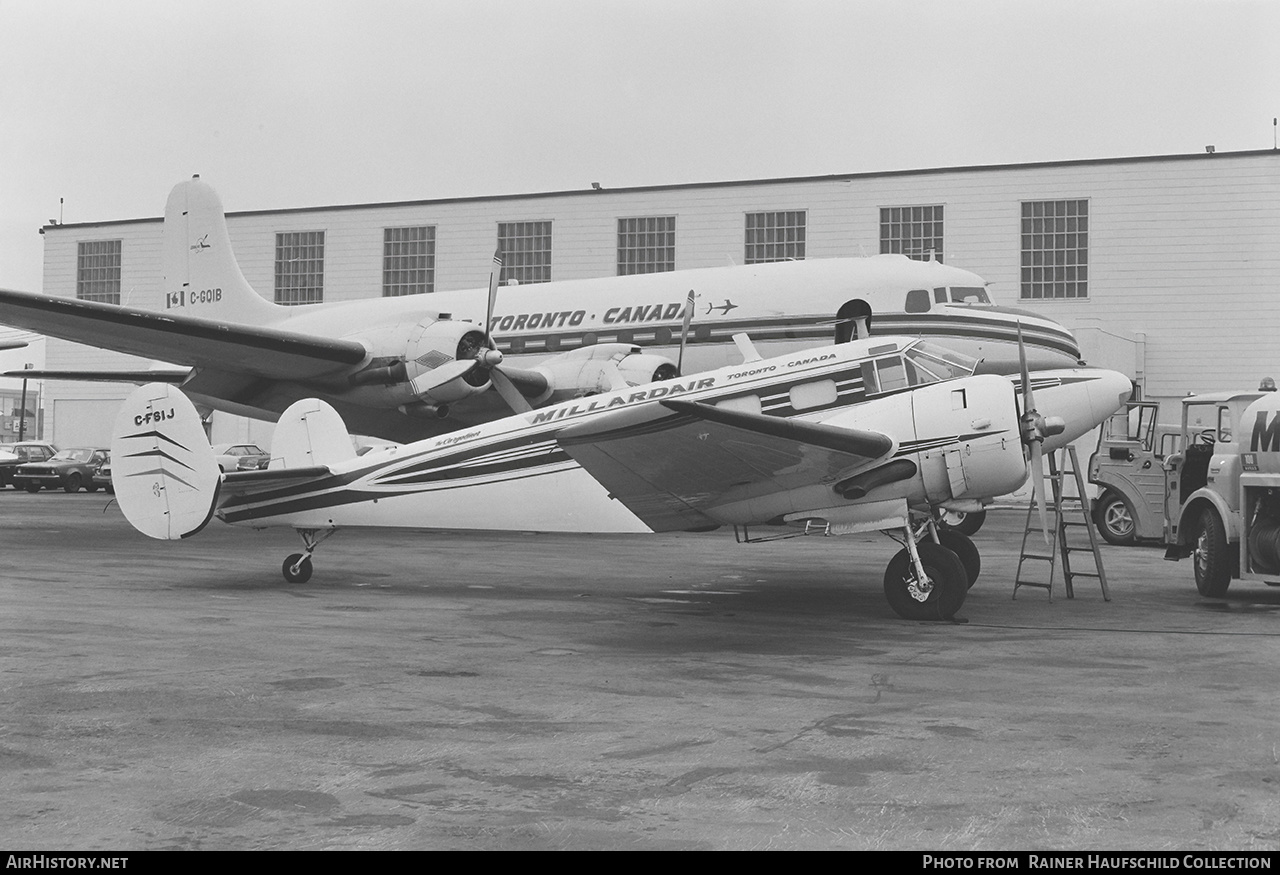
965,549
303,573
1210,555
964,523
1115,521
945,570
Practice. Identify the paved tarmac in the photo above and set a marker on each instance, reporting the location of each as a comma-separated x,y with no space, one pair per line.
518,691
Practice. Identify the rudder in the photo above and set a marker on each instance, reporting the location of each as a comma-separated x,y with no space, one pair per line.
165,476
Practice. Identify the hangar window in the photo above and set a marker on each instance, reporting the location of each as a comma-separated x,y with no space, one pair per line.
1055,249
775,236
300,267
98,271
408,261
915,232
646,245
526,251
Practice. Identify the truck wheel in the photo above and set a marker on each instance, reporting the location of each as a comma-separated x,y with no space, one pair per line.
1210,556
1114,520
964,523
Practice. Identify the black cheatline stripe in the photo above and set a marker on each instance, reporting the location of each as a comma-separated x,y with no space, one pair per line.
477,469
154,433
665,423
236,511
805,328
160,453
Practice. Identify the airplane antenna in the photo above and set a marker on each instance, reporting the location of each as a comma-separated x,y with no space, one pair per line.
60,200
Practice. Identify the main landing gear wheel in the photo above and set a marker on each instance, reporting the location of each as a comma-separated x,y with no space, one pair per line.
964,523
965,550
1114,520
936,598
297,568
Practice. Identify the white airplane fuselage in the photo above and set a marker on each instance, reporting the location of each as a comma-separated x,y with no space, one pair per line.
958,440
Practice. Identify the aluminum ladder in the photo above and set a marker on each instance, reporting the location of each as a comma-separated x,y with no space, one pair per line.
1062,547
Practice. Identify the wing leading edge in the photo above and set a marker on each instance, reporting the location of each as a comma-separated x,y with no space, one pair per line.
674,465
185,340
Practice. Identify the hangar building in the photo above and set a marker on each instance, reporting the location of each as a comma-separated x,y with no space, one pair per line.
1165,267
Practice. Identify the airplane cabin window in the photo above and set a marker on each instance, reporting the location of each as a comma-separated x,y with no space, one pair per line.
817,394
891,374
742,404
918,301
939,296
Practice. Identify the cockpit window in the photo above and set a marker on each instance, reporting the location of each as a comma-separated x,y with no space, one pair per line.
917,301
969,295
940,363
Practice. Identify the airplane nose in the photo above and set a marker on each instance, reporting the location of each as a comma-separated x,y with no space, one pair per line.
1084,398
1108,393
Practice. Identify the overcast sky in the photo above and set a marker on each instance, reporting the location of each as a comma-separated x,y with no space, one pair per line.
279,103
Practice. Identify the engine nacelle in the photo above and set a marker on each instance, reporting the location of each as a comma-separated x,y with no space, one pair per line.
428,365
601,368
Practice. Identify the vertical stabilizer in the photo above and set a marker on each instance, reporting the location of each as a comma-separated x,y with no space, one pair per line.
201,275
165,477
310,433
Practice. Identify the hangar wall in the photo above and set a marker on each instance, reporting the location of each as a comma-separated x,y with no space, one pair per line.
1184,252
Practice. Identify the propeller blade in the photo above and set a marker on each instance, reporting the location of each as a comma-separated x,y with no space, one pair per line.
1037,488
509,392
1028,399
436,377
684,331
494,275
1032,439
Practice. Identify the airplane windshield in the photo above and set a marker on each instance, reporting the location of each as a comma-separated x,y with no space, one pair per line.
939,363
969,295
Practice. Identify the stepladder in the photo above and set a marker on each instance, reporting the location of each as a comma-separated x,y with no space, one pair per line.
1067,512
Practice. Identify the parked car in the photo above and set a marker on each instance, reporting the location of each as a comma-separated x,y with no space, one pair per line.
241,457
13,455
71,469
102,477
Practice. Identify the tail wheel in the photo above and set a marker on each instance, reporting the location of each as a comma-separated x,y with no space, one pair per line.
1115,520
1211,555
939,597
297,568
965,550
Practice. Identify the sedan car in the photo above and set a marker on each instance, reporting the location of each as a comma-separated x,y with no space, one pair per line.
71,469
13,455
241,457
102,477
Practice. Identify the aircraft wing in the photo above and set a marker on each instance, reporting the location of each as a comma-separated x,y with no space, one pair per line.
156,375
670,465
184,340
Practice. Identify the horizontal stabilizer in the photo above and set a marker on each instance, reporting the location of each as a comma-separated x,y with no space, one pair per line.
165,476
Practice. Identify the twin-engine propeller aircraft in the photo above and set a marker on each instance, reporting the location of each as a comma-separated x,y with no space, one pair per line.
406,368
876,434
